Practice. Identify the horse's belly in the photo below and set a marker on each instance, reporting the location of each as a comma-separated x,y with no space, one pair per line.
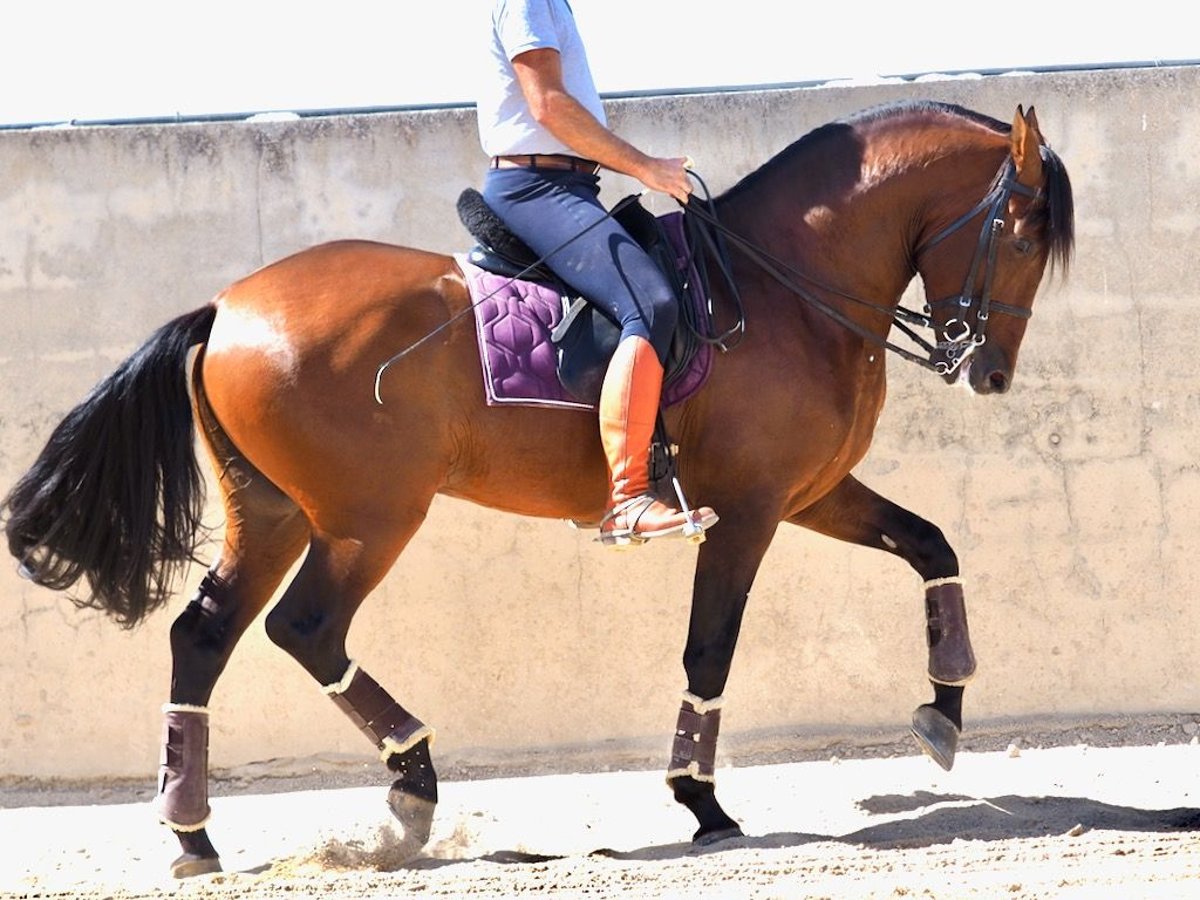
533,462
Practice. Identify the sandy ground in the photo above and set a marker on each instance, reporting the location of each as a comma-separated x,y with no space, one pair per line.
1066,821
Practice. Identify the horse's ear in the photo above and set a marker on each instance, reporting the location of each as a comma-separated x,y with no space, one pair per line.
1031,120
1026,147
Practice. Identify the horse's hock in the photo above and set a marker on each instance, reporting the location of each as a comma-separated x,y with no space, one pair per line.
1070,500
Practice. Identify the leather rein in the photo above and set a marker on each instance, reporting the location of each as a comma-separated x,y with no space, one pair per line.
957,347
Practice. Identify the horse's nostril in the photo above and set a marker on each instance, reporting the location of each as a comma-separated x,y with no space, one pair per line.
999,382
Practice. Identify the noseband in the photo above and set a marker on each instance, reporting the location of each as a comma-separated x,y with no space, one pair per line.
958,346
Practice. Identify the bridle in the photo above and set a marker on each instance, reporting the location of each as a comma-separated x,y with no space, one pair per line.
955,348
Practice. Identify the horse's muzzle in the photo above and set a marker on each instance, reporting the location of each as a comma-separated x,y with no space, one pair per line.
995,382
988,371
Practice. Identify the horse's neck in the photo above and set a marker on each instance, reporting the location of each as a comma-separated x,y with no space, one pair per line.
837,244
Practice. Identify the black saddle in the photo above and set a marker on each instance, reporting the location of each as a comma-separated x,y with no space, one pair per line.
586,337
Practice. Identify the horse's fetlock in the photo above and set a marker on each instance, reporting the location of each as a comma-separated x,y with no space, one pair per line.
415,770
686,789
415,758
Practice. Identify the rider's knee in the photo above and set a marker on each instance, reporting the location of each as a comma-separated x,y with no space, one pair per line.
664,315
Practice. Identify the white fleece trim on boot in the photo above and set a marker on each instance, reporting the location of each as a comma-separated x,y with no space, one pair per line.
692,771
938,582
701,705
339,687
184,708
175,826
391,745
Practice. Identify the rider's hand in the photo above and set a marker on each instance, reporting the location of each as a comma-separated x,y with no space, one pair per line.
669,176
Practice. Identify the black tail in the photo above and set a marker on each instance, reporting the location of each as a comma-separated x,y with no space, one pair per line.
117,494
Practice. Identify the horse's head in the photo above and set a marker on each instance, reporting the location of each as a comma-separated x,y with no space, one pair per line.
1027,220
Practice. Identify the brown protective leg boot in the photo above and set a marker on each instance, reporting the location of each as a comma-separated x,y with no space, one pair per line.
629,402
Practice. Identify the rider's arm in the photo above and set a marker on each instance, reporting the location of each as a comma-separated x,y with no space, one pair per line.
539,72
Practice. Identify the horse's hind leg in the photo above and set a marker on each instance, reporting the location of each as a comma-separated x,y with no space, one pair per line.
264,534
311,622
853,512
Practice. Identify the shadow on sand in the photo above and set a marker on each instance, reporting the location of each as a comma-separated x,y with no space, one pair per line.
945,818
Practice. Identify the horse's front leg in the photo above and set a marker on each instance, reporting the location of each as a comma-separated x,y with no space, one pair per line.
853,512
725,570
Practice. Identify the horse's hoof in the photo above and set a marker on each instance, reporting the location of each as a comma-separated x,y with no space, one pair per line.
715,837
936,735
415,815
189,865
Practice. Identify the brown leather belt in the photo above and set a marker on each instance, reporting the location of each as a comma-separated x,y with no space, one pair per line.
546,161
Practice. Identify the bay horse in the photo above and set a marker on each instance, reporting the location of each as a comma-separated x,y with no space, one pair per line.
824,238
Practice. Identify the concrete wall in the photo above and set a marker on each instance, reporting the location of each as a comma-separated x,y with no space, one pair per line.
1071,501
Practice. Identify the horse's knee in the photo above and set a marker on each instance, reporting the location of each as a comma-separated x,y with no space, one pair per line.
932,556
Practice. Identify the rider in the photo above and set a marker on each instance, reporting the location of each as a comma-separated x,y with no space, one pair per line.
542,123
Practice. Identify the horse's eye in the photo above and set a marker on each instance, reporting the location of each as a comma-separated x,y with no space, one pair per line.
1022,246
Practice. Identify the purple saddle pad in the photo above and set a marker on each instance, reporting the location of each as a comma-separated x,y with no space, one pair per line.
514,320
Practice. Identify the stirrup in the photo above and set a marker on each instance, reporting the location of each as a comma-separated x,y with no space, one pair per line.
692,528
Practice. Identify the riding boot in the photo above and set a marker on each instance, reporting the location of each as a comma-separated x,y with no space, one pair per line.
629,401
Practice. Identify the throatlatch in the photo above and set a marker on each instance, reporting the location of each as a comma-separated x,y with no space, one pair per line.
951,659
182,802
694,751
391,727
